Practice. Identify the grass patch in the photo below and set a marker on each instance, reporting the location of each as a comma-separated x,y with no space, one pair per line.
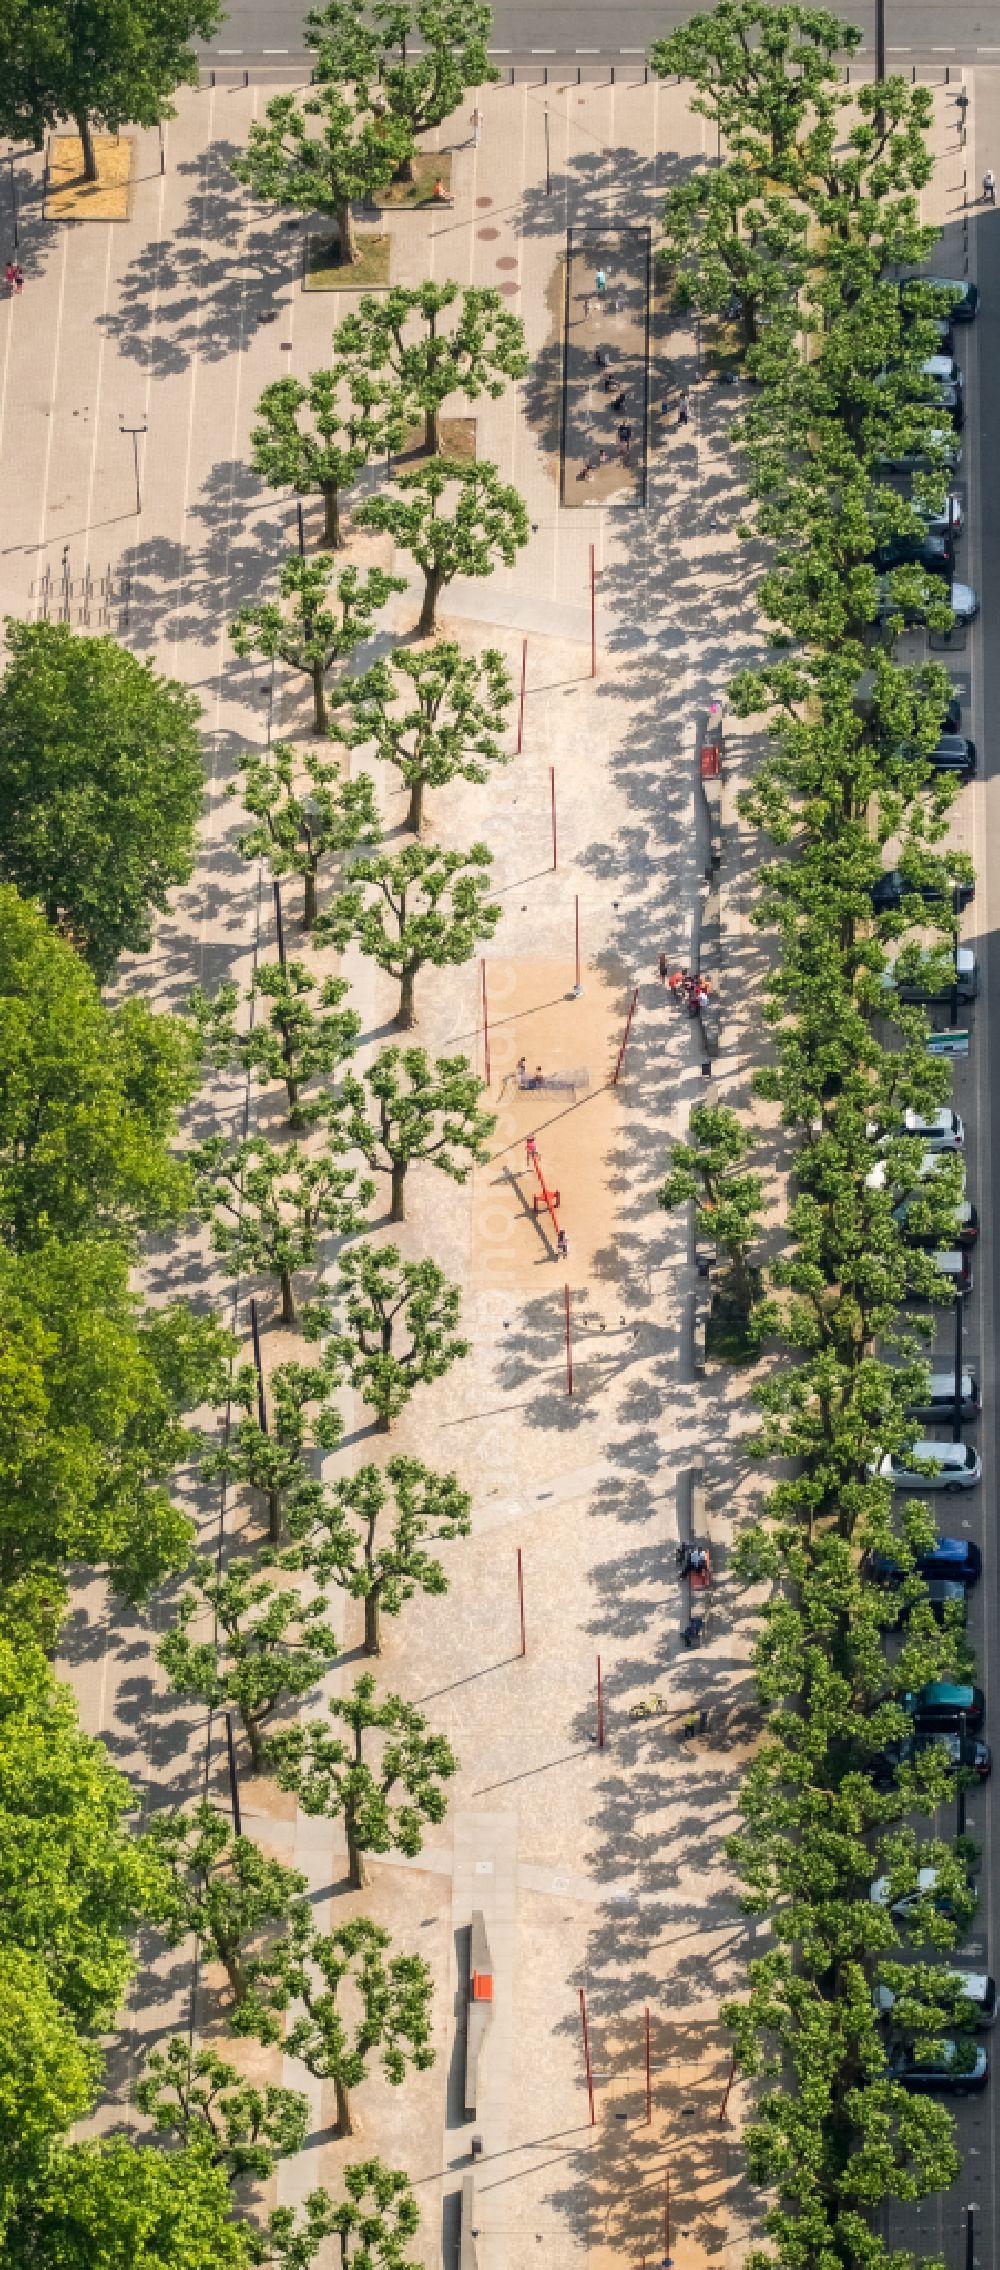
71,198
427,169
323,270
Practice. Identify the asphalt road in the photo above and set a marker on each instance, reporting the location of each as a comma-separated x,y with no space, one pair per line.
257,31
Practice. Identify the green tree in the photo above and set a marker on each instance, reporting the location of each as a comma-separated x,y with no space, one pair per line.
724,240
402,1109
112,63
337,1535
115,2205
219,1889
303,630
306,1033
269,1209
93,1392
272,1457
314,437
400,1319
302,827
266,1646
760,72
89,1096
195,2095
48,2075
293,2236
378,2217
455,706
102,780
356,41
383,1780
399,337
413,907
488,523
729,1205
73,1882
388,2011
353,155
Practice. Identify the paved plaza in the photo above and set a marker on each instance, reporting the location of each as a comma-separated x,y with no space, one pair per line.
596,1868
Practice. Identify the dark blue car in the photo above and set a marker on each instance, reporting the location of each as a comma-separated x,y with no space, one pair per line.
949,1557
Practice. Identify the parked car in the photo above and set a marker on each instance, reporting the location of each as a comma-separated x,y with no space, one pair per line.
965,1232
954,753
940,453
947,1708
939,1402
942,1130
955,1272
888,893
928,1166
935,554
880,1895
957,2068
966,983
948,1556
967,1752
948,386
950,521
960,597
963,295
976,1987
864,703
958,1467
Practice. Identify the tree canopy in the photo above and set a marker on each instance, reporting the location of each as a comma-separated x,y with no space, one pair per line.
414,908
454,708
111,63
315,436
102,779
355,153
399,339
303,630
488,523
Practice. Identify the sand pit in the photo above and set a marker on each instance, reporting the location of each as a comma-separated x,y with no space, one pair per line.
534,1014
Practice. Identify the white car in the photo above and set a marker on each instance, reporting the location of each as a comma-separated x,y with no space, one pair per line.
929,1164
958,1467
941,1131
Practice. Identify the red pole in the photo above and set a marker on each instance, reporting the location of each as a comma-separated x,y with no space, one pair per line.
593,615
486,1025
576,909
649,2073
586,2057
666,2222
569,1344
520,1598
520,710
552,793
600,1707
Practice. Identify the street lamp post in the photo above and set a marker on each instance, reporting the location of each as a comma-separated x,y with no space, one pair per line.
135,431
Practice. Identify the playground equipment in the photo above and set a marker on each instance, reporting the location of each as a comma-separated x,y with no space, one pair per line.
543,1196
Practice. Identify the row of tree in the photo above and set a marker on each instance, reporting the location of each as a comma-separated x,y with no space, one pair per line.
803,231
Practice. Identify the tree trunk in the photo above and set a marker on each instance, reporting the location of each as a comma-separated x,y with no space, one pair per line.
355,1857
415,815
349,251
344,2123
383,1423
397,1211
432,430
406,170
309,907
373,1622
273,1516
89,152
406,1015
289,1312
319,697
331,515
433,580
292,1092
255,1743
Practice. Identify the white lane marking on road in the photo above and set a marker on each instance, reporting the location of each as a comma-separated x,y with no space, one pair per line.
52,401
275,51
96,427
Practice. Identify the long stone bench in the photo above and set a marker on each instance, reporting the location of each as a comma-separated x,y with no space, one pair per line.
480,2007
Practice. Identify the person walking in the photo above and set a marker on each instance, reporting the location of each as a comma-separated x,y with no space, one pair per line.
990,186
531,1148
601,283
476,123
562,1246
683,409
14,277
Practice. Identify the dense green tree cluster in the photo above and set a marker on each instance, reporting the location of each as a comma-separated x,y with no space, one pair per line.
836,348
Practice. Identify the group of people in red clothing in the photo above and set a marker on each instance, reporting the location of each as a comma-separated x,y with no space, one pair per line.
686,985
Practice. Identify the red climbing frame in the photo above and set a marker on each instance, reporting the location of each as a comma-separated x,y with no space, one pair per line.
543,1196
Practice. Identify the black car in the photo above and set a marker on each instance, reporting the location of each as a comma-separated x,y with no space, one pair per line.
935,554
962,304
946,1706
954,752
889,891
968,1752
955,2067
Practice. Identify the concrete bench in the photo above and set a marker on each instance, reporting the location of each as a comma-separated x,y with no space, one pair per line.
480,2007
